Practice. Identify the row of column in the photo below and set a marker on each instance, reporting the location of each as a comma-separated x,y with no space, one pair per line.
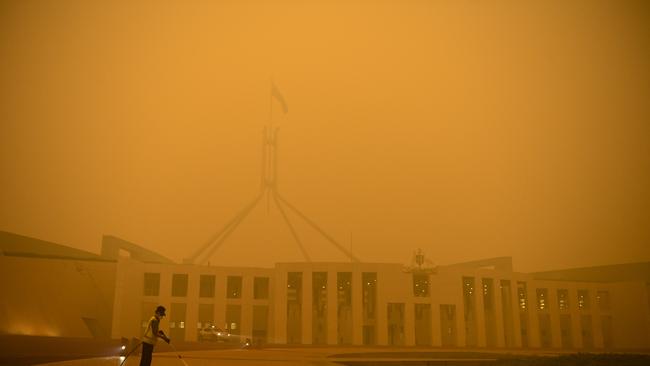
380,319
531,315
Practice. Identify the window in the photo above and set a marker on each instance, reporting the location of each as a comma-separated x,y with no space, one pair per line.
177,318
206,286
319,293
488,294
344,285
542,299
294,286
206,317
522,296
261,288
233,319
151,284
234,287
369,295
179,284
563,299
602,297
468,286
583,299
420,284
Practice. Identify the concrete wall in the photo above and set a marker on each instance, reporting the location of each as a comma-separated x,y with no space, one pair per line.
50,297
631,315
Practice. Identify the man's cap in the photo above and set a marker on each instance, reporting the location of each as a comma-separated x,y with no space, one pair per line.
161,310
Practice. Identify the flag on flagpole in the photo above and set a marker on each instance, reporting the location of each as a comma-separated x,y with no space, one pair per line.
275,92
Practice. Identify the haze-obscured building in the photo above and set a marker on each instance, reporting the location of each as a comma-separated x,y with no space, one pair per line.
50,289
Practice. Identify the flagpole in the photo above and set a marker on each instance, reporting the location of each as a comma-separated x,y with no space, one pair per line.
271,106
268,138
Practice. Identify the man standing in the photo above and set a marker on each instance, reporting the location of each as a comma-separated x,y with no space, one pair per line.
151,336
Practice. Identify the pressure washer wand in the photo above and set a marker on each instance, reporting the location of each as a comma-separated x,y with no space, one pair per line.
130,352
178,354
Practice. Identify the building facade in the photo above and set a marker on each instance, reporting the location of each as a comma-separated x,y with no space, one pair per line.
475,305
482,304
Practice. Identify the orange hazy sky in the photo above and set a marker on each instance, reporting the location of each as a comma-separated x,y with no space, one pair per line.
470,129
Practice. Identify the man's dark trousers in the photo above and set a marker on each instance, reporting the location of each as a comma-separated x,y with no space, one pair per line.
147,350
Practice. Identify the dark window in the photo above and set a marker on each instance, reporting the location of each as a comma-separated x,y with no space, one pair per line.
294,286
563,299
522,296
206,286
177,318
151,284
488,294
206,317
344,284
583,299
369,295
234,287
179,284
233,319
602,297
261,288
420,284
542,299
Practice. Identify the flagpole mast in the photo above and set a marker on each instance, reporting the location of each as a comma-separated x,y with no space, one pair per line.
268,136
269,187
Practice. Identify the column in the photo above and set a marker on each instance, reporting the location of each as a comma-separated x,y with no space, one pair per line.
220,301
247,307
533,318
332,304
516,320
596,321
436,337
192,307
382,321
460,318
480,311
306,307
460,323
498,311
409,323
272,305
556,334
576,329
281,308
357,314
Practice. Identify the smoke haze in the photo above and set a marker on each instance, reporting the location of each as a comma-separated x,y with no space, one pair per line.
468,129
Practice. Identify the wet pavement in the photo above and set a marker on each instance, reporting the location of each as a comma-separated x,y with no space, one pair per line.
293,357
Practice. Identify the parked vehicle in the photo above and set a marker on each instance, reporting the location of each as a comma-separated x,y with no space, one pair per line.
211,333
